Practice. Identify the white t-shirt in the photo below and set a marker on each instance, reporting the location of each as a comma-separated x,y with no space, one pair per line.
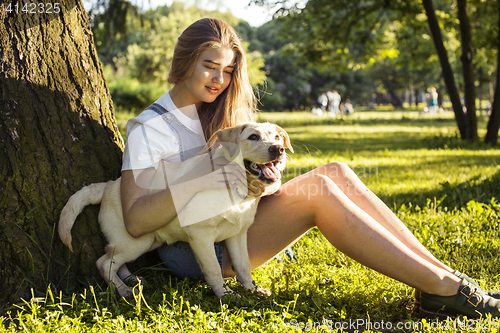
150,139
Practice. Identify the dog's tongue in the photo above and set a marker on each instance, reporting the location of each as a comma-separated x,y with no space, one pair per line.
271,171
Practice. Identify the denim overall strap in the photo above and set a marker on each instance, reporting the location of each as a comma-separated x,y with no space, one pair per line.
179,257
187,144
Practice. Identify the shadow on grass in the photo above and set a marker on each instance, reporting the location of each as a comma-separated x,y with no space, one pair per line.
406,119
338,143
452,196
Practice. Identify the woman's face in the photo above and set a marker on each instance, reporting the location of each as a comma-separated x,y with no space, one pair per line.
211,76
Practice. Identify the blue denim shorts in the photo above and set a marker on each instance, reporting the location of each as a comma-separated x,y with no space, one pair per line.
180,259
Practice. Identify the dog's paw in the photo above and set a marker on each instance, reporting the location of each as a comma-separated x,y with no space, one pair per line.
126,292
129,291
135,279
263,291
230,296
227,293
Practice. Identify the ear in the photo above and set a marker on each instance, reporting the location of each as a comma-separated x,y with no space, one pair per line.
285,137
230,134
229,140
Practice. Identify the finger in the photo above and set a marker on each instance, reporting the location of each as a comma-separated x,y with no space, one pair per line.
228,178
239,172
231,168
236,176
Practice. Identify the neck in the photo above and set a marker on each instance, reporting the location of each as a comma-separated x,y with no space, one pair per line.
183,103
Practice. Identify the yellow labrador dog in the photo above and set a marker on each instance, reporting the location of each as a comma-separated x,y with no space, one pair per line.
262,148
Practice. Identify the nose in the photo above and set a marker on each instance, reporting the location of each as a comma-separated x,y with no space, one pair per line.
218,77
276,150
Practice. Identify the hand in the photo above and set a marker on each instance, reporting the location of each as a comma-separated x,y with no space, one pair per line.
202,173
228,173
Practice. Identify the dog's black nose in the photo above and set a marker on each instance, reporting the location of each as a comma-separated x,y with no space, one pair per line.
276,150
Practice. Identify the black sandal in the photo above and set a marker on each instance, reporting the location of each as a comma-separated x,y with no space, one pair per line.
470,301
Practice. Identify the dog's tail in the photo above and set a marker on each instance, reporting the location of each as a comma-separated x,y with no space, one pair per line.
89,195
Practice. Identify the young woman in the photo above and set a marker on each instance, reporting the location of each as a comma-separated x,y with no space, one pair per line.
212,91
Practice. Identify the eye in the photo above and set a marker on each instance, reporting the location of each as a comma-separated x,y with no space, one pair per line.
254,137
277,137
211,68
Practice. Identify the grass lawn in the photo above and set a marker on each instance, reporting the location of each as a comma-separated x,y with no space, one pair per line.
444,189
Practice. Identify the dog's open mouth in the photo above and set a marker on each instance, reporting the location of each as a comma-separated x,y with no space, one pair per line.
267,172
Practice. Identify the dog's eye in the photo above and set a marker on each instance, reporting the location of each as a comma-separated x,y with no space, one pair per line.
277,137
253,137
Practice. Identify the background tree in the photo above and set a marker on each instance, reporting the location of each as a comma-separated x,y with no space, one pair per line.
345,37
355,34
446,68
494,121
468,69
57,133
292,84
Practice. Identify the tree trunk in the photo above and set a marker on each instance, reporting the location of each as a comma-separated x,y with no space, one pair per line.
446,69
58,133
480,92
468,70
395,99
494,121
410,94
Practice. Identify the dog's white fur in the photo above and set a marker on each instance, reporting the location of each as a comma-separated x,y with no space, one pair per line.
230,226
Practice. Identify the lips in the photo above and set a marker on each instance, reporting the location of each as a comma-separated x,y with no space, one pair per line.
212,90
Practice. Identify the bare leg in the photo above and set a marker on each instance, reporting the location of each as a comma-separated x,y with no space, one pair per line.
357,192
316,200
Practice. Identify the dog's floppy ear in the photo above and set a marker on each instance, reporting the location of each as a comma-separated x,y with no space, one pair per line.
229,140
285,137
230,134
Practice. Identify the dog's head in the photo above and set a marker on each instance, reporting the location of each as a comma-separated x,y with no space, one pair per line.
263,147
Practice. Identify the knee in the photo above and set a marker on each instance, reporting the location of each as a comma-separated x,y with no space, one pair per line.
305,187
342,175
320,184
335,170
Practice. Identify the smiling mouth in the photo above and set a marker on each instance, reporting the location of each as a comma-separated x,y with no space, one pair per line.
212,90
266,172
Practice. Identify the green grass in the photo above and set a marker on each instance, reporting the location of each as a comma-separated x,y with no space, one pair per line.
444,189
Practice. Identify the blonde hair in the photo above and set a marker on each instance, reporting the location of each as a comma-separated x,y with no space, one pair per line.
237,103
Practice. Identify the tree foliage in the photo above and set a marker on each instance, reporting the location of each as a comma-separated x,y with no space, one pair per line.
137,60
344,35
319,46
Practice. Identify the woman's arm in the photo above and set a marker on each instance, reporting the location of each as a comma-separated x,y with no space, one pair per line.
144,212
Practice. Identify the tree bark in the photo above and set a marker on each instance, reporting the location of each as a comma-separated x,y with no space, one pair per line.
468,70
57,133
480,92
494,121
446,69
